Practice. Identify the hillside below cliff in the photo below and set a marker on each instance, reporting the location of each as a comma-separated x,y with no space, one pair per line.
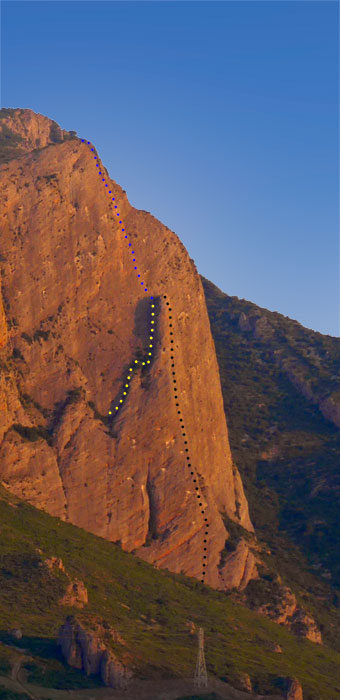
278,381
143,621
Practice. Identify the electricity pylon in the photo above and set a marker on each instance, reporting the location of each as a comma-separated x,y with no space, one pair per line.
201,679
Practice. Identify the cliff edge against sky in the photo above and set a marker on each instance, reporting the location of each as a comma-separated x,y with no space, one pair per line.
73,316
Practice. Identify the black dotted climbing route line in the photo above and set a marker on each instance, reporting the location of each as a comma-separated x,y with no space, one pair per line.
147,360
179,412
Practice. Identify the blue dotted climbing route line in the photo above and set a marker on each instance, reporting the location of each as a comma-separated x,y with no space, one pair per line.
118,403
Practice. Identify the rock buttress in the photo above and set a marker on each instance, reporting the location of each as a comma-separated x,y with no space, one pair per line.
77,316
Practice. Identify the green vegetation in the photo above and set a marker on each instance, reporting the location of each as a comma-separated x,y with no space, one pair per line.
154,623
286,451
236,533
201,696
28,401
55,673
6,694
7,112
32,434
41,334
54,416
5,666
27,337
263,591
10,143
17,355
74,395
48,178
55,133
98,416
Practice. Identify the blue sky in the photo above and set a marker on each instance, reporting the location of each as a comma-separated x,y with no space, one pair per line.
220,118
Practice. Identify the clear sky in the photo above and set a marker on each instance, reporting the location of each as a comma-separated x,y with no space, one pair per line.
220,118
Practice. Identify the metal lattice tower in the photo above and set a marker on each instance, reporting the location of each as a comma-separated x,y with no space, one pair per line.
201,679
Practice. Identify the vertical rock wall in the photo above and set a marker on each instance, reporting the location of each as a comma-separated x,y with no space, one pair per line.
78,316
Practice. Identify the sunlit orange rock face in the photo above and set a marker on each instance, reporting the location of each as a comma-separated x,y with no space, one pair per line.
74,316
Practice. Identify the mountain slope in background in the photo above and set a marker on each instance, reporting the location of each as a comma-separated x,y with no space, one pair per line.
279,381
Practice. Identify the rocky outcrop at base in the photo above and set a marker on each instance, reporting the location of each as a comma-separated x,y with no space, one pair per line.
245,683
53,563
294,689
240,567
304,625
287,612
85,650
76,595
76,592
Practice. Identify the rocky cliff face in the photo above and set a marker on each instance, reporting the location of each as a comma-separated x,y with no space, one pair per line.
73,318
76,592
86,650
21,131
287,612
294,689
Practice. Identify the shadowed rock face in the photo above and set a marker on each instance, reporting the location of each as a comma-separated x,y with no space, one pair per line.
74,316
84,649
287,612
294,690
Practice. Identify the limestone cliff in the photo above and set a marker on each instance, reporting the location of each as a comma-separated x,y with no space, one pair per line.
75,318
287,612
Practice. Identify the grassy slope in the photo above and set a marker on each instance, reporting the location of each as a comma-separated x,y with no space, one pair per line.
236,639
302,530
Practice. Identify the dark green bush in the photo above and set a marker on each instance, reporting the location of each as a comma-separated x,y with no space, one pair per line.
5,666
55,133
17,355
74,395
62,678
9,144
32,434
6,694
41,334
